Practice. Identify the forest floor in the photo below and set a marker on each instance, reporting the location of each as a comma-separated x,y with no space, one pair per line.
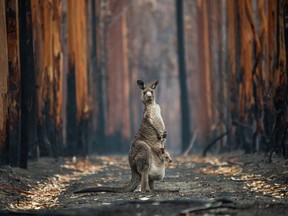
230,184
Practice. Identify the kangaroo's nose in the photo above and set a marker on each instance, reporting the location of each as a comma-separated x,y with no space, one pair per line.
149,94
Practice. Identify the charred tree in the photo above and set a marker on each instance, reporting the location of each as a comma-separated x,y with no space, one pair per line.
78,74
28,86
4,118
57,84
96,126
29,82
48,54
185,111
71,110
37,22
101,33
14,89
278,135
23,148
285,20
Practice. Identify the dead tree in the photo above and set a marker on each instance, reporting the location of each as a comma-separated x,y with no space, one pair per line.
185,111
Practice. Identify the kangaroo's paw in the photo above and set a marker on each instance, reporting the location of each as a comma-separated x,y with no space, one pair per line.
158,136
164,135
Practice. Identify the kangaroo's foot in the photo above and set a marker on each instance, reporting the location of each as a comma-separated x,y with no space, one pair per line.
164,135
151,184
147,190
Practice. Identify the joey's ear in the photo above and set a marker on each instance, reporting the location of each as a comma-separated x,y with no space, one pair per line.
162,150
141,84
154,85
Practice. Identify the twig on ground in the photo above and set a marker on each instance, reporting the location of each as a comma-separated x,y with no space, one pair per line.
213,142
15,189
188,150
169,191
215,204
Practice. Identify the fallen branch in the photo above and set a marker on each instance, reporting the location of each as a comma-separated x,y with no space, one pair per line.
191,143
213,142
244,180
206,206
15,189
210,205
237,123
168,191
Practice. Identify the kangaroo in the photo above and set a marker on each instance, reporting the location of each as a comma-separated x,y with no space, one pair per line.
146,159
152,119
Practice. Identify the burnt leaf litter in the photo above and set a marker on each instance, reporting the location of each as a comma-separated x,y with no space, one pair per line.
229,184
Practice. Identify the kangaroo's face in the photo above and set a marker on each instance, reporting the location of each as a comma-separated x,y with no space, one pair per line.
165,154
148,92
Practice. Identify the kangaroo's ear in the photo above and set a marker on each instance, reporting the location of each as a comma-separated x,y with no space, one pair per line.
154,85
141,84
162,150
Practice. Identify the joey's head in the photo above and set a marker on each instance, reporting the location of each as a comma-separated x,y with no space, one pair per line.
165,155
148,92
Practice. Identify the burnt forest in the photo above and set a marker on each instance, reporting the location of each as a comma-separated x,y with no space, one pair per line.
100,99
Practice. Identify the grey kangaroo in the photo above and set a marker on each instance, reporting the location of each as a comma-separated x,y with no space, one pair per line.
147,155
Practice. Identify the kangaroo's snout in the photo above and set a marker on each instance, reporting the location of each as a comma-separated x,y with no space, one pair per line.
148,95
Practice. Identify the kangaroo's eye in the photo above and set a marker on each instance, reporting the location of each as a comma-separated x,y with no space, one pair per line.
144,93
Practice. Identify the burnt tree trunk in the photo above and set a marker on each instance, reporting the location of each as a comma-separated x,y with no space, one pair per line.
185,111
14,90
4,119
77,76
71,110
93,81
28,86
101,33
279,98
23,148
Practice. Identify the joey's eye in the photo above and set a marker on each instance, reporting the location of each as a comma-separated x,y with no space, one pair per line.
144,93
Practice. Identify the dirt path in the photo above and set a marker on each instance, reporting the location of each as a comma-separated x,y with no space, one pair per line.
230,184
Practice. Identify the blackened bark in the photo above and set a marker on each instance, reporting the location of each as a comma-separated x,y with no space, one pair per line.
31,88
101,33
14,91
285,20
45,148
4,138
71,111
185,112
23,147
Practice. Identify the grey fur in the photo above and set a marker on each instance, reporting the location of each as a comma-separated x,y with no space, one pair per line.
147,154
145,168
152,120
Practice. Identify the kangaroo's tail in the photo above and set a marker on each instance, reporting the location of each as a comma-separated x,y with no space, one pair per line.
133,184
100,189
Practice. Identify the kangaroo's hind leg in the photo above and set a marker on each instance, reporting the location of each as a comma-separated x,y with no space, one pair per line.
151,184
142,167
142,164
144,182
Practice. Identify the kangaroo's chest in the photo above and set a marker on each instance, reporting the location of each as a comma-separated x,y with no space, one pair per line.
155,114
156,172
